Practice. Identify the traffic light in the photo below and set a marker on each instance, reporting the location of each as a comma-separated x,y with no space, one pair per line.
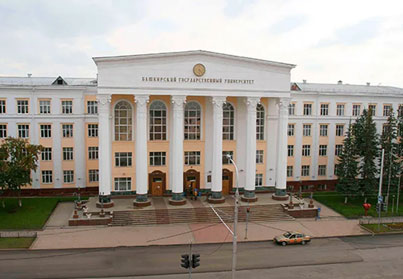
195,260
185,261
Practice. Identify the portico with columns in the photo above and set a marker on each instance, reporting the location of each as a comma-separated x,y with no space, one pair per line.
209,105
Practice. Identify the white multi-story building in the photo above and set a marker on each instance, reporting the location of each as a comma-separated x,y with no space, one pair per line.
158,124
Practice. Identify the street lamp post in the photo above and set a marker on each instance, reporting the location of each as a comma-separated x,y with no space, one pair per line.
235,237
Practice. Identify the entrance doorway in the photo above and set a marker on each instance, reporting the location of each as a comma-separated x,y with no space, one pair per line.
226,181
157,183
191,181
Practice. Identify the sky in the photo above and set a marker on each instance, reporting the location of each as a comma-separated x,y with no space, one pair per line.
350,40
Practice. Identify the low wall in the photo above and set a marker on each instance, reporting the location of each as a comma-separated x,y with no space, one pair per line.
87,191
18,234
384,220
298,212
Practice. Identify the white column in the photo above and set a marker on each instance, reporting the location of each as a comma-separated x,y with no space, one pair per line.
141,148
105,145
281,169
216,173
250,167
176,168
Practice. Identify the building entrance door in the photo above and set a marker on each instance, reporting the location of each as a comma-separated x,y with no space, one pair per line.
191,181
156,183
226,181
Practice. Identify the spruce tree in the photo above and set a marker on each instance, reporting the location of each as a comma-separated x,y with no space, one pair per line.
347,167
367,145
391,160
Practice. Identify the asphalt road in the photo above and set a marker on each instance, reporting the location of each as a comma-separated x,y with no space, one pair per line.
350,257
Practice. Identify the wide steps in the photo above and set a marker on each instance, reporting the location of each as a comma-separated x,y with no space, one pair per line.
267,213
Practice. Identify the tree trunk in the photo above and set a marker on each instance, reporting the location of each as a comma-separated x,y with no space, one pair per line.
345,199
3,203
19,199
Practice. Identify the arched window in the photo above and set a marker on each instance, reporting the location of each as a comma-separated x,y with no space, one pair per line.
123,121
192,121
259,122
228,122
158,121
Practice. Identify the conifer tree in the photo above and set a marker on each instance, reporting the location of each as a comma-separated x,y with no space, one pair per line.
347,167
367,145
391,160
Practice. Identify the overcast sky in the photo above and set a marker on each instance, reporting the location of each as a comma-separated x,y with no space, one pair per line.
329,40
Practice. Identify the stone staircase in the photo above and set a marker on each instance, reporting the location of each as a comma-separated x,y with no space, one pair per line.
262,213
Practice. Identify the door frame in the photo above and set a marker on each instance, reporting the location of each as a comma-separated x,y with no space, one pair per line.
157,174
230,174
192,172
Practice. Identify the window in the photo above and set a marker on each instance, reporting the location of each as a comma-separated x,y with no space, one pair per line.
3,130
400,111
259,122
306,130
307,109
322,150
340,110
336,169
259,179
46,154
324,109
67,107
93,130
67,130
259,156
157,158
323,130
93,175
338,149
123,183
291,128
192,158
306,150
92,107
356,110
158,121
386,110
192,119
123,159
46,130
305,170
123,121
68,176
23,130
67,153
339,130
22,106
322,170
290,150
228,122
385,129
93,152
44,106
372,109
290,170
291,109
225,159
47,176
2,106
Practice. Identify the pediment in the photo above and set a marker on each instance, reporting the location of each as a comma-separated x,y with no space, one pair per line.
192,70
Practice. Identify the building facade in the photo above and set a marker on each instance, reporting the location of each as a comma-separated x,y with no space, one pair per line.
159,124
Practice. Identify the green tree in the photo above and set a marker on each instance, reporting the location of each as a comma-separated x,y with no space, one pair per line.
17,159
367,146
391,159
347,167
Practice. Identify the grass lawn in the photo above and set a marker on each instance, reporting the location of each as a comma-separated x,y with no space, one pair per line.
32,215
398,227
353,208
16,242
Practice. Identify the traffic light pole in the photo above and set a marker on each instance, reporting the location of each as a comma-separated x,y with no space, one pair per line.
190,260
235,237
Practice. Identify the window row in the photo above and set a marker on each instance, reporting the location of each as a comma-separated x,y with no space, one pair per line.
306,150
45,106
123,121
306,169
68,176
46,130
356,109
323,130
